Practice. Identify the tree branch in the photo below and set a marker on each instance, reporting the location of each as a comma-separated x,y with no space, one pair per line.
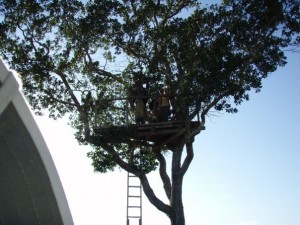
188,159
143,178
91,66
152,197
210,105
82,113
163,174
58,100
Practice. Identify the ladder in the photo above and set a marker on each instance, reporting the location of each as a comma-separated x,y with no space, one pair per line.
134,200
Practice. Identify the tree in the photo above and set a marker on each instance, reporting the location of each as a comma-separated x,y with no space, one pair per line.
81,59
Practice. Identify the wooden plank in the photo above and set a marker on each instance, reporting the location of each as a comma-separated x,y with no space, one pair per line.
159,133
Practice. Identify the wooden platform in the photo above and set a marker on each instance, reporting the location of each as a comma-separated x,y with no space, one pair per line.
157,133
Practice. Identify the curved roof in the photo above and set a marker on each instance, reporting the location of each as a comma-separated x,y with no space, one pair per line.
30,188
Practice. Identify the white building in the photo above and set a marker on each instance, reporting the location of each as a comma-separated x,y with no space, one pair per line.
30,189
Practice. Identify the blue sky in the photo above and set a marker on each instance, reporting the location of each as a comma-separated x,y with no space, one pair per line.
246,169
248,163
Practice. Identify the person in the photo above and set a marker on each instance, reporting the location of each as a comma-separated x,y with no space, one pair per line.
154,108
138,99
139,111
164,106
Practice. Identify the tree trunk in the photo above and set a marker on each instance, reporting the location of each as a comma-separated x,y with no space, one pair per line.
173,187
177,213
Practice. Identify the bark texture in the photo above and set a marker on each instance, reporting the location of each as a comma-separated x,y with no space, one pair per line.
177,213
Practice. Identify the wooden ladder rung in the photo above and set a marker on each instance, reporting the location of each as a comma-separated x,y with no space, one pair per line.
133,176
134,186
134,196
